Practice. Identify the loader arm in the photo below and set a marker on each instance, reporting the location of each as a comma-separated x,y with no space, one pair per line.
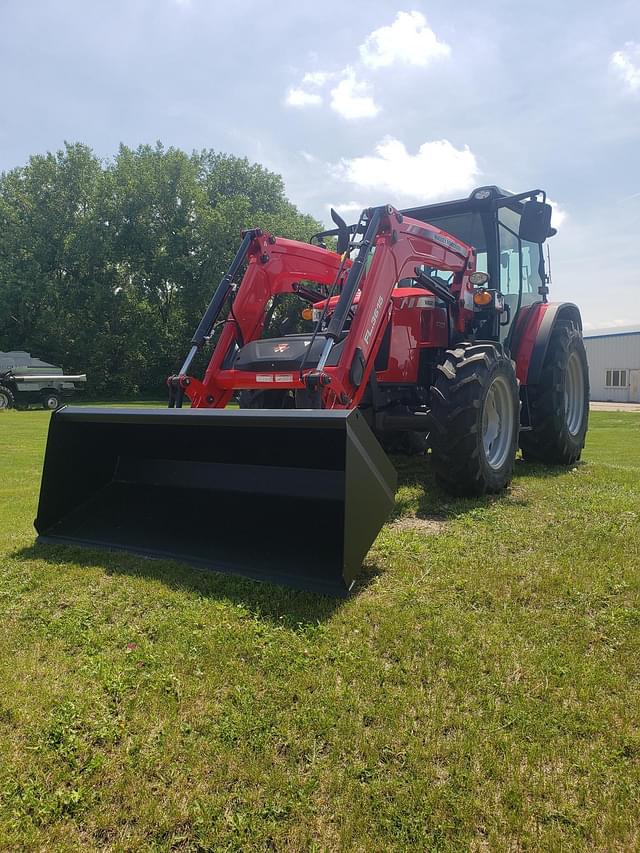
274,266
400,244
391,248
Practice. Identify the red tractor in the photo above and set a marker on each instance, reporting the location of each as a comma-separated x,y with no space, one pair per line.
422,328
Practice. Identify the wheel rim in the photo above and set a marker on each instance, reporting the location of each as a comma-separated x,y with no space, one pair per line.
574,393
51,402
498,422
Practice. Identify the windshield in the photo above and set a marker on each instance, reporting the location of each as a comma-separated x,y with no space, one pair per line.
467,227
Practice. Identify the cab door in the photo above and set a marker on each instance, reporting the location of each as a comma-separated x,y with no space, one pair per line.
520,264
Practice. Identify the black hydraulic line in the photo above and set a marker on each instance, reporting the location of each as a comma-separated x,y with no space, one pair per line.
307,293
356,272
328,298
435,287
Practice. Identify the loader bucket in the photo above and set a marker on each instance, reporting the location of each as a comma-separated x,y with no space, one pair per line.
295,497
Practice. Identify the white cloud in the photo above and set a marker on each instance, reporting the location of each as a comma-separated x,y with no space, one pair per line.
626,64
350,98
348,208
300,98
317,78
438,169
558,214
408,40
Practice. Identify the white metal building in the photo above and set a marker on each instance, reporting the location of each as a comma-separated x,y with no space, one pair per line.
614,364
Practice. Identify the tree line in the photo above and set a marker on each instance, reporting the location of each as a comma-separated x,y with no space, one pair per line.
107,266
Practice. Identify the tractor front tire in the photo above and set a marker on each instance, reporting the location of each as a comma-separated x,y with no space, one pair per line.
476,415
7,400
559,403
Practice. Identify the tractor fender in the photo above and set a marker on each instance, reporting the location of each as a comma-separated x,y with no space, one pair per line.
532,334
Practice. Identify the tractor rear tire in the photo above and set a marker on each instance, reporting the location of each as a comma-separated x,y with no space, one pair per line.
476,414
559,403
7,400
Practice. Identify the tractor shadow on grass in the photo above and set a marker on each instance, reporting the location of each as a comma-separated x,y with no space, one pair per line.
291,608
421,507
539,469
419,496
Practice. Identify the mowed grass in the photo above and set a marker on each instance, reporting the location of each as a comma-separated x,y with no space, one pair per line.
481,691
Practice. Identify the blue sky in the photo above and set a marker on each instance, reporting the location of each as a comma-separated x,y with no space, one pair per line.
397,102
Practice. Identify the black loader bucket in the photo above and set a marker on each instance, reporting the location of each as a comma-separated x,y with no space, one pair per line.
293,497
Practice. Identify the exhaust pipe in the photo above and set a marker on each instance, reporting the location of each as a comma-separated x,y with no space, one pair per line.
295,497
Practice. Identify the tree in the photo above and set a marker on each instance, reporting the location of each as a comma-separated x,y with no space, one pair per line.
106,267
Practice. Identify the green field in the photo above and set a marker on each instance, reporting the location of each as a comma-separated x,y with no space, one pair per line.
480,691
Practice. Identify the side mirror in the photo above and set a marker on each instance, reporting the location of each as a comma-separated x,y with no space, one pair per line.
535,222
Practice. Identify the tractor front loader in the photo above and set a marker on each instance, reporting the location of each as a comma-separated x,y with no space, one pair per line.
428,328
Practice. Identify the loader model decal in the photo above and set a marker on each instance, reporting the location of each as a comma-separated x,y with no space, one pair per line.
372,322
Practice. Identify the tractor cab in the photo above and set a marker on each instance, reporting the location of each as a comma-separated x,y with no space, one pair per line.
507,232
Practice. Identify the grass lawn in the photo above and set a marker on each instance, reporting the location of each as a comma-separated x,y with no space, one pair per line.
481,691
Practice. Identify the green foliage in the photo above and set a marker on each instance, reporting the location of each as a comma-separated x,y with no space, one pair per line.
106,267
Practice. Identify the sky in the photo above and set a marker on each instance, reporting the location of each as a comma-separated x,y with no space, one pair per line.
360,104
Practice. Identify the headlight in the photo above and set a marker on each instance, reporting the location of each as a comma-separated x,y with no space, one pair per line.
477,279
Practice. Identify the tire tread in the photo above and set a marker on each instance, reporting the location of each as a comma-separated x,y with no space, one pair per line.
456,401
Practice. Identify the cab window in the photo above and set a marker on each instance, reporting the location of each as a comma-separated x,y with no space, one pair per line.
469,228
509,261
517,257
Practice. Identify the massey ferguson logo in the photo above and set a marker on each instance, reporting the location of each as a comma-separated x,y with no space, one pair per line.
280,347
